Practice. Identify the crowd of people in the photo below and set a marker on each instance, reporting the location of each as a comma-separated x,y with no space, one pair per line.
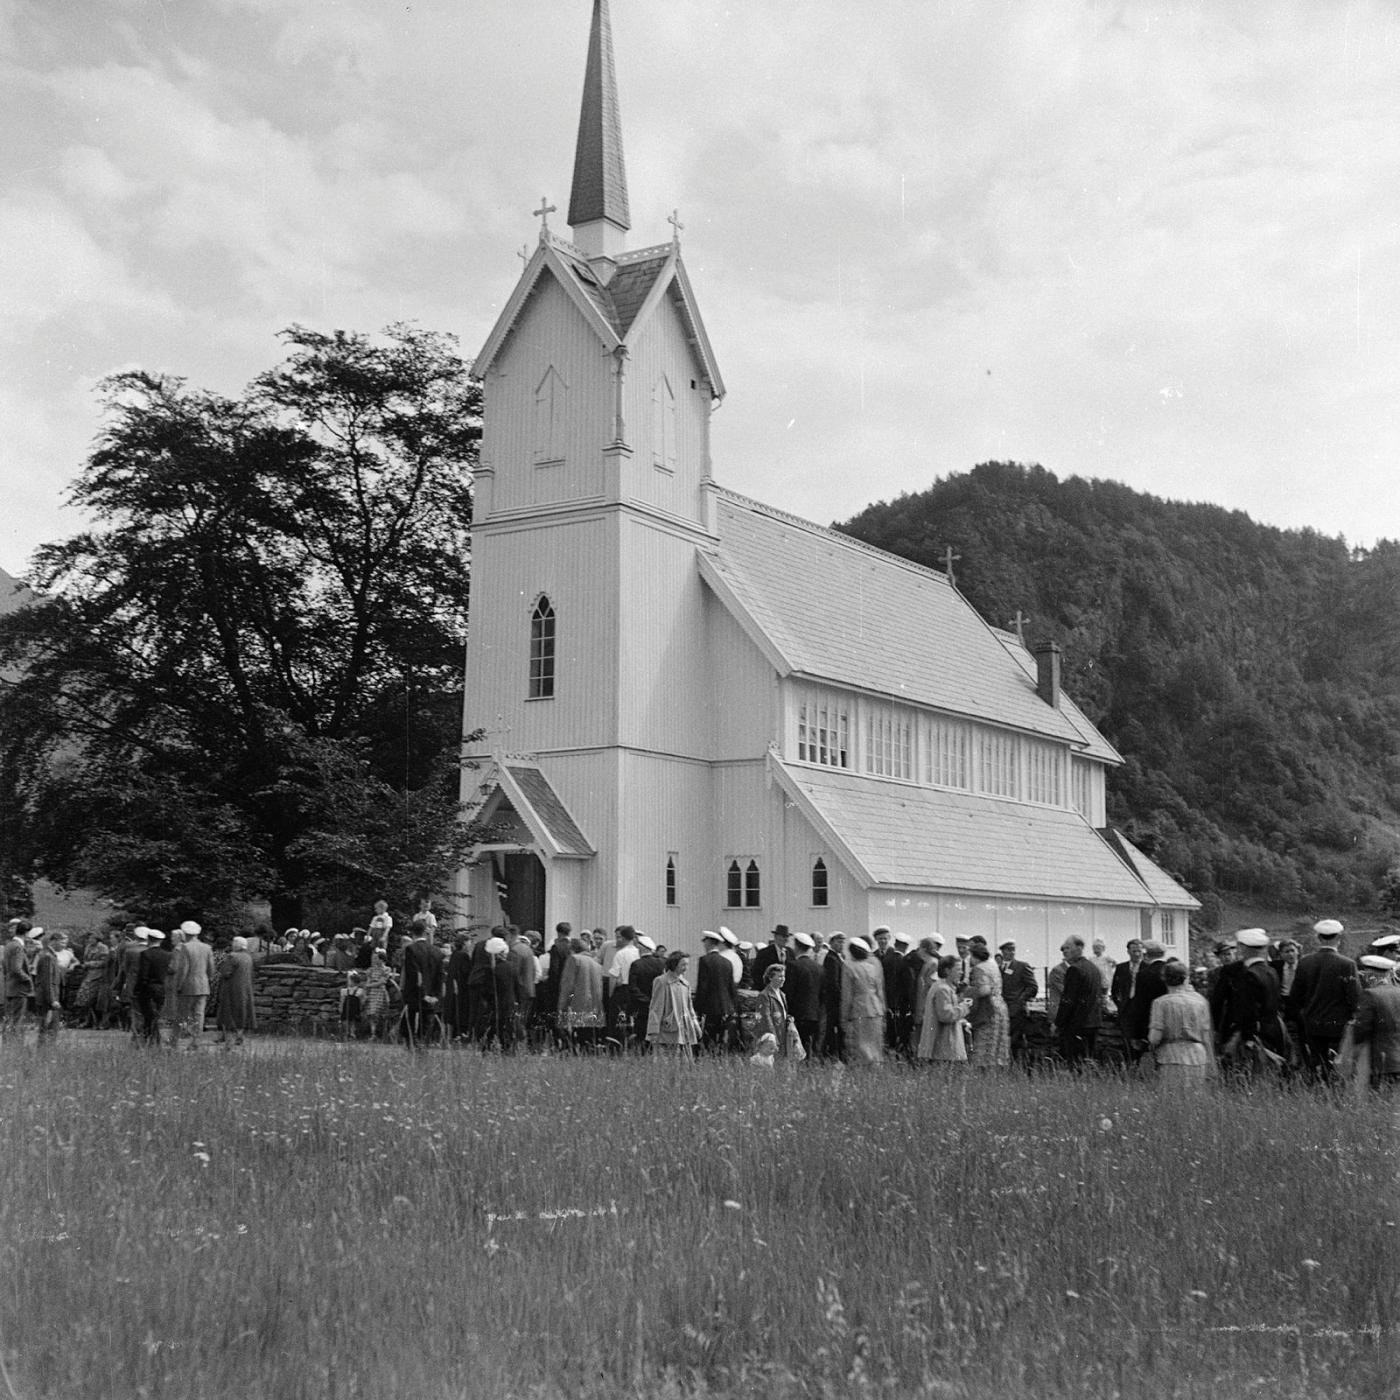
1265,1008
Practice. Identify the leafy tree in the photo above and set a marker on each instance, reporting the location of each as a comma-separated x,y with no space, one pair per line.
246,678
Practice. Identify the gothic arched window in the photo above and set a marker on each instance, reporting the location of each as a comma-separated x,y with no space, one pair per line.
670,880
752,891
820,892
542,651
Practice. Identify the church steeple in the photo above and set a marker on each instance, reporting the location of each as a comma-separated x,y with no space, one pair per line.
598,212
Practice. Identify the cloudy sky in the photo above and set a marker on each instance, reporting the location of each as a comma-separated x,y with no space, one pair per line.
1154,242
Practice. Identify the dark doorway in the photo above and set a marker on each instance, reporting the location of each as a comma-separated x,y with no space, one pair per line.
523,900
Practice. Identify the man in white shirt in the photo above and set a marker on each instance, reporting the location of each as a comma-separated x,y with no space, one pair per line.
616,973
729,951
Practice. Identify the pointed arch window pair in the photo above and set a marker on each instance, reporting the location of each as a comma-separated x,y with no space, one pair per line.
743,885
542,650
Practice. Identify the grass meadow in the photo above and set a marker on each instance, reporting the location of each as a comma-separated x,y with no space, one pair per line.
355,1222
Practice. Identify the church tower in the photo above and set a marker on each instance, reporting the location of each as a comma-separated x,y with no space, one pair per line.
593,494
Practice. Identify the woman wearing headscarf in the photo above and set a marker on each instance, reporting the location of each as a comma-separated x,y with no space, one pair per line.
989,1019
235,1012
941,1040
672,1025
863,1004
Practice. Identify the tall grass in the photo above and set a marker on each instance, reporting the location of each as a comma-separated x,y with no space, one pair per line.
363,1223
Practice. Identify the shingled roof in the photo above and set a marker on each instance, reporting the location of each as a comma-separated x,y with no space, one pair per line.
908,836
1159,884
600,175
836,609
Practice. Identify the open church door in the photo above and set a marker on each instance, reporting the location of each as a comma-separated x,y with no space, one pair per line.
523,897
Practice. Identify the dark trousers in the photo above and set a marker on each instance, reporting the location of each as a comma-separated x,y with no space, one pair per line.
418,1020
148,1006
1320,1054
1077,1046
807,1034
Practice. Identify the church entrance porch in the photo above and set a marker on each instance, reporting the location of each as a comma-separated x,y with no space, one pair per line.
520,882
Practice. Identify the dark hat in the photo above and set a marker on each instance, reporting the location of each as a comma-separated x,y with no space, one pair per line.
781,931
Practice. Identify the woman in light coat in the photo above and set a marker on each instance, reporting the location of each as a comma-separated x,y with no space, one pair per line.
581,997
863,1004
1180,1033
672,1025
942,1037
773,1017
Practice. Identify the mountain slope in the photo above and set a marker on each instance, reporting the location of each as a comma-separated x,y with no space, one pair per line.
1250,676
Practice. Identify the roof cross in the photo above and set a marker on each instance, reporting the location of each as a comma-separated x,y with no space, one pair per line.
543,213
1019,623
676,226
949,559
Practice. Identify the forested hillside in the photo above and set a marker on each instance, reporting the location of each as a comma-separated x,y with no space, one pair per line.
1249,676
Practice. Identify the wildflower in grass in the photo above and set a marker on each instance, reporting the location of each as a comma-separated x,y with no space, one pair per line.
732,1205
1311,1264
1105,1125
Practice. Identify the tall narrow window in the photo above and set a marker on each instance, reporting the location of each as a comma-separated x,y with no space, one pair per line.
663,425
753,894
819,886
734,888
671,880
549,418
542,651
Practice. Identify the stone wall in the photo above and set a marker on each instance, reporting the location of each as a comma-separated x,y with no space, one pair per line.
292,996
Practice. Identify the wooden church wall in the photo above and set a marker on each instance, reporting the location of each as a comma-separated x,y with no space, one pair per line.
664,684
666,474
551,332
574,563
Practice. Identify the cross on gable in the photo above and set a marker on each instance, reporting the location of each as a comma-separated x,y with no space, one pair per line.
949,559
676,226
543,213
1019,623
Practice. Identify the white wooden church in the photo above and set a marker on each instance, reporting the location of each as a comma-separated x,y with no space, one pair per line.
700,710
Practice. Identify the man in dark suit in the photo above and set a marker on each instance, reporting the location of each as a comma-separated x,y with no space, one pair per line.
1124,985
1323,999
779,950
422,982
1137,1010
1244,1004
1081,1005
150,983
715,1002
641,977
804,992
1018,989
891,960
833,1038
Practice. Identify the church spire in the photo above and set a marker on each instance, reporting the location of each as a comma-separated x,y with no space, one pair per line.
598,213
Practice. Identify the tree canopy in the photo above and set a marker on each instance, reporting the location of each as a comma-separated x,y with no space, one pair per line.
245,679
1249,676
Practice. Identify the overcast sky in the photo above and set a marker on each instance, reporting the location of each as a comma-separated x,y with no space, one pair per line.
1151,242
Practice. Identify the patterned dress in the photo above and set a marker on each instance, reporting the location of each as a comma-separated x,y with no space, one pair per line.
991,1025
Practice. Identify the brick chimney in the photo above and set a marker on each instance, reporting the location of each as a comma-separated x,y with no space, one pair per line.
1047,673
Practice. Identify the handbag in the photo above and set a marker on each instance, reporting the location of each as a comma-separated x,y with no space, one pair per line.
794,1048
